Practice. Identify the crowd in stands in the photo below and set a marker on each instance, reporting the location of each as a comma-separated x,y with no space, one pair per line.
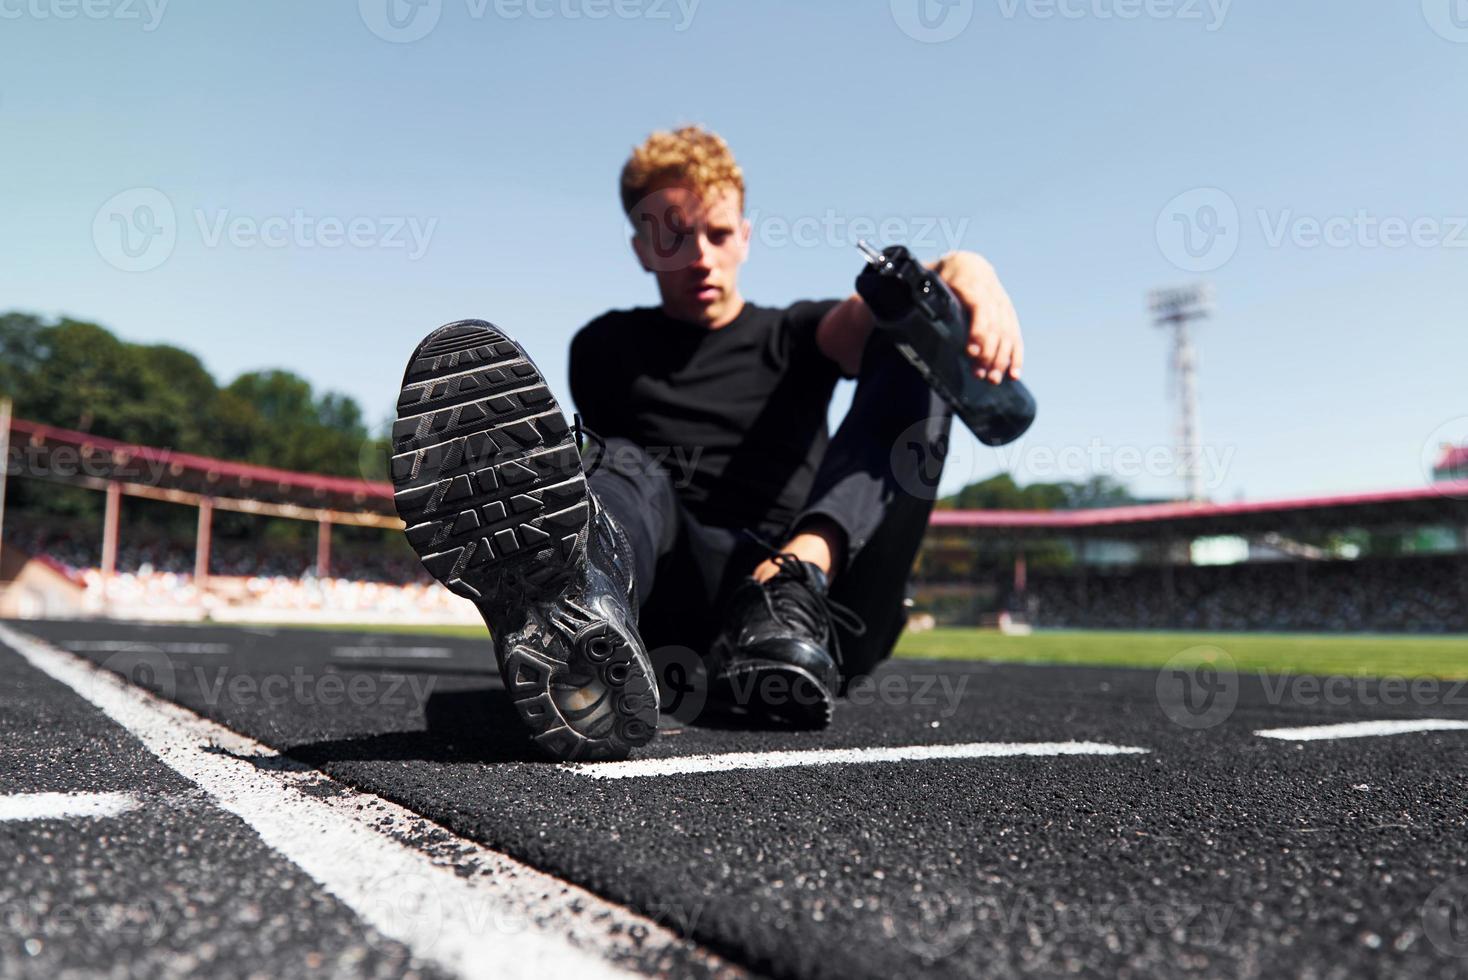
1418,594
155,577
1422,594
161,592
77,551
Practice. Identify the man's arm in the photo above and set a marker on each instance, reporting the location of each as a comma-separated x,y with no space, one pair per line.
995,345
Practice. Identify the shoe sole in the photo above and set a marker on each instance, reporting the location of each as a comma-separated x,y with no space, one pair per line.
487,478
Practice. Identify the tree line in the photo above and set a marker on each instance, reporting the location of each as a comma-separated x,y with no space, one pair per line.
79,375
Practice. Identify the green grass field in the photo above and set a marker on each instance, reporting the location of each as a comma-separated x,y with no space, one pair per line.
1363,655
1367,655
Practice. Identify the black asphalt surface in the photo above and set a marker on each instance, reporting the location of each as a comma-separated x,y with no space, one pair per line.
175,888
1218,853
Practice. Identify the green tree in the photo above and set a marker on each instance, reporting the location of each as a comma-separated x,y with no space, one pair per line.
78,375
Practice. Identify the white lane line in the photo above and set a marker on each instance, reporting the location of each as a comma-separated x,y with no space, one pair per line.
1363,729
62,806
687,765
391,653
142,646
472,910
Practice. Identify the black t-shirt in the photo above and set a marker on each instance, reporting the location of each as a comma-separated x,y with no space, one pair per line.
745,404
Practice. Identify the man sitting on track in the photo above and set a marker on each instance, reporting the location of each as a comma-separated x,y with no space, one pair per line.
758,558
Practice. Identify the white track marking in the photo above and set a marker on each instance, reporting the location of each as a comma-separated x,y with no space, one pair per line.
688,765
472,910
63,806
1364,729
392,653
143,646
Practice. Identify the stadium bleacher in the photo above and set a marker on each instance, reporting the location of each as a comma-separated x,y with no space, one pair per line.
1419,594
153,576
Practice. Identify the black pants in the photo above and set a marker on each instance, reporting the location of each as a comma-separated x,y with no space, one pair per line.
877,481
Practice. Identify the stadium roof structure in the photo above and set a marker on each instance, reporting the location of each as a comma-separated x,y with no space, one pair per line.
51,452
1441,503
64,455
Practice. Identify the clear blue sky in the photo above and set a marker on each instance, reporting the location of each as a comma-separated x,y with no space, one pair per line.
1051,135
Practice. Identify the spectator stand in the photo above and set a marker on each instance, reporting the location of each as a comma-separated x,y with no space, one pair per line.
1149,566
152,578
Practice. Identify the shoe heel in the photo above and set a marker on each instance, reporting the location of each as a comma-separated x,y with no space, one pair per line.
581,682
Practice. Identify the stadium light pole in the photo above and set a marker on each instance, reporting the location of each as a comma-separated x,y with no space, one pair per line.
1174,309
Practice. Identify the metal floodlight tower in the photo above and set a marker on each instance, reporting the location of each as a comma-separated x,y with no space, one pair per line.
1174,309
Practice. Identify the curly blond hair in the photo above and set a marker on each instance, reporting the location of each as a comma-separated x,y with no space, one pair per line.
690,156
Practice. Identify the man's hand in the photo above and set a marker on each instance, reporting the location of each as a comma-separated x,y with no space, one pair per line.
995,344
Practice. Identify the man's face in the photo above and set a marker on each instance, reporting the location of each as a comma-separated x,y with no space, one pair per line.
695,247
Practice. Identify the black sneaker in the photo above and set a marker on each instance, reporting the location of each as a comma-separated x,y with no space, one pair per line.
777,655
489,482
